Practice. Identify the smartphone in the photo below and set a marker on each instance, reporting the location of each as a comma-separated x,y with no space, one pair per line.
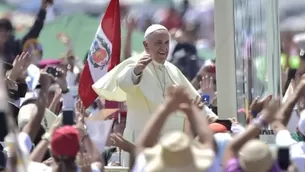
68,117
3,126
52,70
2,160
205,98
283,157
225,122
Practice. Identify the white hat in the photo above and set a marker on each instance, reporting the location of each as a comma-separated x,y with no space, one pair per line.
152,28
27,111
255,155
301,123
178,152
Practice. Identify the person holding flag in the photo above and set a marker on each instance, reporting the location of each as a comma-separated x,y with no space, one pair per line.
141,81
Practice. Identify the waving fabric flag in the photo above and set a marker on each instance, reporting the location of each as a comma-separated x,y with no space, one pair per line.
104,52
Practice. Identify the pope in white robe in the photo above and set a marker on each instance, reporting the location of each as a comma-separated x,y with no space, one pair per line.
144,91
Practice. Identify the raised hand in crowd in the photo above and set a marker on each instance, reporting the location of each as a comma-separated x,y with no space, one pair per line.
64,38
46,3
258,104
83,158
175,95
131,24
80,108
205,70
122,143
87,146
177,98
32,127
268,114
56,100
285,112
20,66
38,153
206,87
60,78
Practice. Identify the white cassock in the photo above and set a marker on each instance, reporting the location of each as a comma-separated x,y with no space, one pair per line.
143,99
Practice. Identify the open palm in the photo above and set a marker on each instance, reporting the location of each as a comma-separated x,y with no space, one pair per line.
206,87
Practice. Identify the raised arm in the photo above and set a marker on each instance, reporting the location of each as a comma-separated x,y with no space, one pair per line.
251,131
175,97
131,75
32,127
130,26
39,22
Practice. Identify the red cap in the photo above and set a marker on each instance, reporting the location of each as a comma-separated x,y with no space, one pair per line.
65,142
45,62
218,128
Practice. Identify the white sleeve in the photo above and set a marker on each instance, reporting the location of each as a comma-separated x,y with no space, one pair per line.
94,168
283,138
127,80
25,144
139,165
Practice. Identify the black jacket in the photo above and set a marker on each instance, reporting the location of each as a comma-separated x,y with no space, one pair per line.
14,46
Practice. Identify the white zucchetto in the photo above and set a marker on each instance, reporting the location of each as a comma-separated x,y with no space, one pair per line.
152,28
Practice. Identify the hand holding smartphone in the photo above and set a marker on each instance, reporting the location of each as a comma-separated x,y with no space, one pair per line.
53,71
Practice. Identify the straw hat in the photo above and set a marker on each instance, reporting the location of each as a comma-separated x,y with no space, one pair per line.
177,152
256,156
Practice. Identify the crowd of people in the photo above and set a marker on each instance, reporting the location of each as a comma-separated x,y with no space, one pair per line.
167,122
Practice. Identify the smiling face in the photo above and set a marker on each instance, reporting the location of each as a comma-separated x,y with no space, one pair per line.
157,44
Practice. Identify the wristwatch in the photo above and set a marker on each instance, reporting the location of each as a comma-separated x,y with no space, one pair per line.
46,136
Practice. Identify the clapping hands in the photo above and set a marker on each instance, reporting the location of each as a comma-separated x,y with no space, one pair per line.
270,110
177,98
258,104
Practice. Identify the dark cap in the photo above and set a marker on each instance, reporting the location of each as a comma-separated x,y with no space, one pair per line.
6,24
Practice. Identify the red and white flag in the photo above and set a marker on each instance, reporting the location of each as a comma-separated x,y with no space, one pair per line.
104,52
